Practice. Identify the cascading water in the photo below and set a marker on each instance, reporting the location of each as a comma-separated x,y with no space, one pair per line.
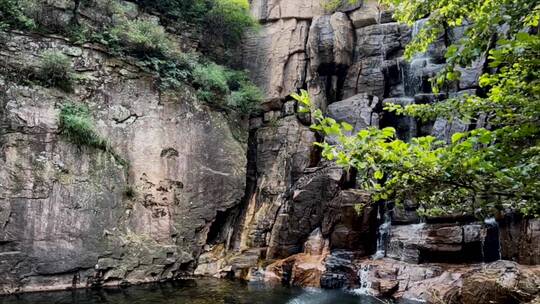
412,79
365,283
491,245
383,235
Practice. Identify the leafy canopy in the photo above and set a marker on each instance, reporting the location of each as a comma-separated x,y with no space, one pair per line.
492,168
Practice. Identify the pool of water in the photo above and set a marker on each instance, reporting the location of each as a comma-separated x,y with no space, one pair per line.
206,291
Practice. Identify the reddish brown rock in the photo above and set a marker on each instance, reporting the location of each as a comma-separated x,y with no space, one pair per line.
303,269
501,282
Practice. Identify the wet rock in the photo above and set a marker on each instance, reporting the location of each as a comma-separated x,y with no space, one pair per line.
315,244
377,40
499,282
340,270
520,239
303,269
365,76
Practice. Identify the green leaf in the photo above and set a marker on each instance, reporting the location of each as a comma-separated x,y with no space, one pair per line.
347,127
457,137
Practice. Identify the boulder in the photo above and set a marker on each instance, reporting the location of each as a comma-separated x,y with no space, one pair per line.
361,111
366,15
501,282
340,270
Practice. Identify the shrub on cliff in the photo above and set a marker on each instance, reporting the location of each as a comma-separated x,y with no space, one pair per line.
229,19
245,96
226,88
211,81
189,10
12,14
141,38
77,126
220,21
484,171
55,70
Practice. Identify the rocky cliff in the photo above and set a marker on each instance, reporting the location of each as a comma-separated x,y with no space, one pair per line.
203,193
75,216
351,62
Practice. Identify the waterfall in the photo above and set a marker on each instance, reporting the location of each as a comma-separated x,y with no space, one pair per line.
383,235
412,80
491,245
365,283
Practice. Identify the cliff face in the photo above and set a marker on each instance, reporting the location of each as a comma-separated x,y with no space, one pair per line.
351,62
198,194
73,215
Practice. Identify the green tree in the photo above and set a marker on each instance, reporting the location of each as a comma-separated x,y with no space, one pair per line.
483,171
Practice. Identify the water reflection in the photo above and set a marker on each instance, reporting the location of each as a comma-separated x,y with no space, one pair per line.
207,291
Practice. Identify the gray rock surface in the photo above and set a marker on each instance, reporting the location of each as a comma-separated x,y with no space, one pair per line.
64,214
361,111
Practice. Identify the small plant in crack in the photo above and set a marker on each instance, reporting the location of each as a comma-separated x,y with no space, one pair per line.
77,126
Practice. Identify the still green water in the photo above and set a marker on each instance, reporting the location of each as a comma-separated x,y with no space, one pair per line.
206,291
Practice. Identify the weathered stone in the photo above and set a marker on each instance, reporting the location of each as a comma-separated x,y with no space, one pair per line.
367,15
421,243
304,269
469,76
377,40
330,43
289,108
340,270
361,111
520,239
303,211
275,57
315,244
501,282
348,228
444,129
64,208
283,150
